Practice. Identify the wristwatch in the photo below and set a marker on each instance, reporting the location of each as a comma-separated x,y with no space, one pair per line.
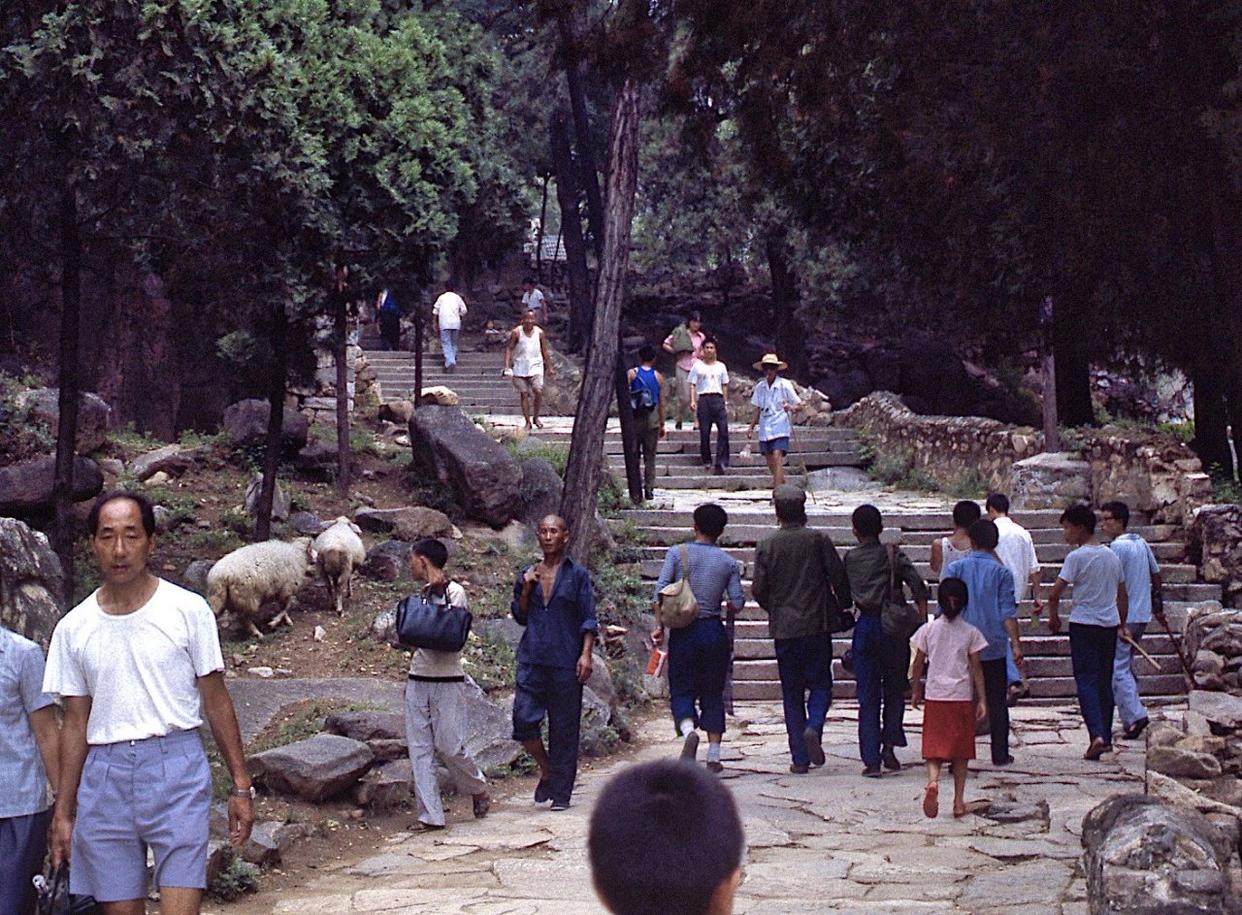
242,792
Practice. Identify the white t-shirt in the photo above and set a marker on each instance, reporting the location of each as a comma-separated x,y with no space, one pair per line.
449,309
709,378
948,645
528,353
1095,572
1016,550
139,669
534,300
771,400
428,663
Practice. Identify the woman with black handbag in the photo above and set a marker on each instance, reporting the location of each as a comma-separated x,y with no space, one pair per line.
435,707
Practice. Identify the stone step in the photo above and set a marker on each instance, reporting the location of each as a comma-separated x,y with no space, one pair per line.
733,480
1173,573
919,553
1042,668
737,432
903,520
752,641
1157,689
688,452
746,467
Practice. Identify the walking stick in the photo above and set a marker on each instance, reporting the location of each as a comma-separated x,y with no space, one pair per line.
1129,640
1176,647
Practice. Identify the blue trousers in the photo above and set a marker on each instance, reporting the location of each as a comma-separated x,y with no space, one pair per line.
1012,674
880,667
805,667
556,693
23,843
711,411
448,342
1093,651
1125,684
698,664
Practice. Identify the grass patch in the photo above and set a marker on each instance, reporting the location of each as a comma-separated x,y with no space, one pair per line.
968,484
490,660
181,504
215,540
556,455
1225,490
426,490
610,500
235,880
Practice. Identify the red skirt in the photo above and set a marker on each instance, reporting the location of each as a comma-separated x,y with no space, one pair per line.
948,729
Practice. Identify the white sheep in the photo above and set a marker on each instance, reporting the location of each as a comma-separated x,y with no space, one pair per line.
339,550
259,574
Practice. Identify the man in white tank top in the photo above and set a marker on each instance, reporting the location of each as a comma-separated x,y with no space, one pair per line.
526,362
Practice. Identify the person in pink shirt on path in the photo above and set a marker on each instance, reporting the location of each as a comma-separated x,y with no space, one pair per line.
686,343
948,648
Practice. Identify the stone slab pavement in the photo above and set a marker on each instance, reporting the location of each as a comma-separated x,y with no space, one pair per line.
829,841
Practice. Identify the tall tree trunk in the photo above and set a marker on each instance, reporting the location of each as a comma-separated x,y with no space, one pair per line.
790,338
69,383
582,129
275,421
578,275
340,355
584,471
1211,440
419,330
543,218
1074,406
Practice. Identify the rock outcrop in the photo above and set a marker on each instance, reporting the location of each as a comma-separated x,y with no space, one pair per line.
314,769
245,425
43,405
481,473
31,582
540,492
26,487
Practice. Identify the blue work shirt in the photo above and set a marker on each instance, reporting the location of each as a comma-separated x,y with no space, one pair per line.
989,599
714,575
554,631
21,693
1138,565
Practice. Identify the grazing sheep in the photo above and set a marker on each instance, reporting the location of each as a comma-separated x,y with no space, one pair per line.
262,573
340,550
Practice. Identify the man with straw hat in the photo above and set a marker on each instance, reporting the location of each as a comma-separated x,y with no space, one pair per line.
774,398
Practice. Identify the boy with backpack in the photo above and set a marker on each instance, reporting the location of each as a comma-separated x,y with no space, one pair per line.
435,707
647,400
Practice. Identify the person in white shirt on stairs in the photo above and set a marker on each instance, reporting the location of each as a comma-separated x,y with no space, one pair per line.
1016,550
526,362
774,398
446,317
709,400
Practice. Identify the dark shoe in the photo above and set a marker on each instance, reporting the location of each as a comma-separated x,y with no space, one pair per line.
1134,730
1017,692
560,805
677,425
543,791
872,772
690,746
1097,749
814,746
649,494
420,826
714,765
799,770
482,804
890,760
718,471
1004,762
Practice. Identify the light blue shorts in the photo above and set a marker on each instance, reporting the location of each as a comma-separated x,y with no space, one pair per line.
137,794
776,444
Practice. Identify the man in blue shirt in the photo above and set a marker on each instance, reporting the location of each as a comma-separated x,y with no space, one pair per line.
992,609
1142,574
29,753
553,599
698,654
647,398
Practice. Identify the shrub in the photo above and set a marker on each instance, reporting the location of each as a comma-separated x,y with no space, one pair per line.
237,879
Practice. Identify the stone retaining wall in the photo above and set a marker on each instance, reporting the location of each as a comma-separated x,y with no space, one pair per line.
1153,473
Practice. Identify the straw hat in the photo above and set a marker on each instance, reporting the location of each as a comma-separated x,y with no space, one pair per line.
771,360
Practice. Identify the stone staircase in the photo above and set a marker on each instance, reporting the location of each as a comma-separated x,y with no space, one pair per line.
1047,656
478,381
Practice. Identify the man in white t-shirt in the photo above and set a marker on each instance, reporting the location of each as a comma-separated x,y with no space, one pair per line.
446,316
1099,608
1016,550
534,300
526,362
138,667
774,398
709,398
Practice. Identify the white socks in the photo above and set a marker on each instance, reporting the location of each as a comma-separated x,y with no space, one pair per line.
713,752
686,728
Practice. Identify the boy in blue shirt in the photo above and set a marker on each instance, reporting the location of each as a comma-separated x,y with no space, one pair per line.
647,399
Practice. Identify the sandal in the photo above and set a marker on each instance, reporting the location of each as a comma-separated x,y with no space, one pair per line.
931,801
972,807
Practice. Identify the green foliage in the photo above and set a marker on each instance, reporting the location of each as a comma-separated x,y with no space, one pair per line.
610,500
236,879
1226,490
556,455
425,489
217,540
967,484
180,503
490,660
21,435
890,465
239,522
305,724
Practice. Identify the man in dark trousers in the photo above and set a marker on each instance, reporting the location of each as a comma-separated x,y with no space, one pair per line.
798,580
880,662
647,397
554,601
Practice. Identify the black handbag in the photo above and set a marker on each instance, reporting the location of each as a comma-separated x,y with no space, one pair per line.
438,627
898,619
53,897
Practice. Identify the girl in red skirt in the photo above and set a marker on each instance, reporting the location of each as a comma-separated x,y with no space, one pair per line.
948,647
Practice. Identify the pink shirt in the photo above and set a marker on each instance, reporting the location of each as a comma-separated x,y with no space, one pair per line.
686,360
948,646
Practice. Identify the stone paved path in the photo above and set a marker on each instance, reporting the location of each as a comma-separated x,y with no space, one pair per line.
830,841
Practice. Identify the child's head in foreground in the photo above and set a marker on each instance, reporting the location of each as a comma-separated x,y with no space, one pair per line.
666,837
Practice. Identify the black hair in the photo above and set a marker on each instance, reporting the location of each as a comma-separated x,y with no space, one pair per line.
694,315
867,520
998,501
432,550
952,596
966,513
145,507
710,519
528,281
791,512
1118,510
1079,516
984,534
709,338
646,353
664,836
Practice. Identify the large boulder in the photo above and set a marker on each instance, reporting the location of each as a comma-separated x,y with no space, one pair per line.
281,506
31,582
1215,545
314,769
483,476
412,523
1050,480
245,425
26,487
173,460
384,787
387,561
541,490
488,729
1146,857
366,726
43,405
195,575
